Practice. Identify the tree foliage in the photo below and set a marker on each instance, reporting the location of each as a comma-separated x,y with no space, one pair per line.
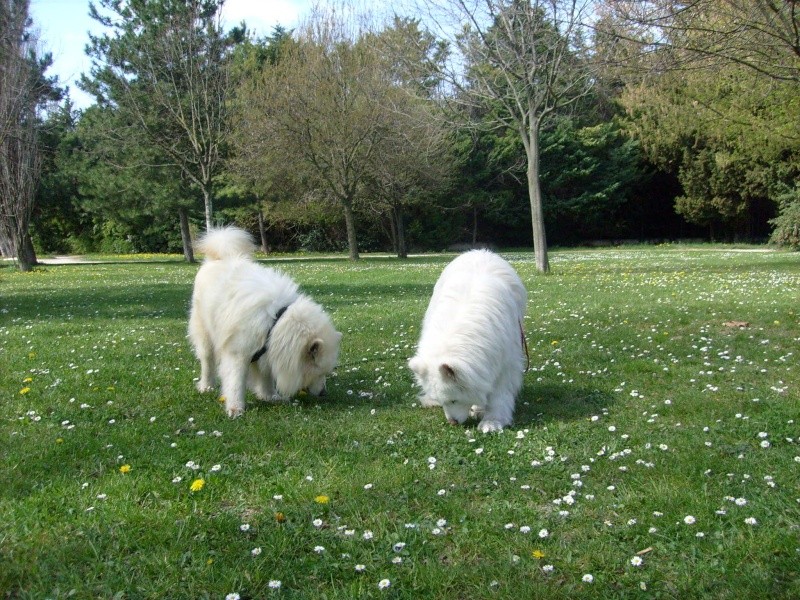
713,99
130,185
671,119
526,60
334,112
166,64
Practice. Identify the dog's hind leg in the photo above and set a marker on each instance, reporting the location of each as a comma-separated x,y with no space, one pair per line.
204,350
233,373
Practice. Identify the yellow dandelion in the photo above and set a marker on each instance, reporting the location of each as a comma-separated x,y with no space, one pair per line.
280,517
221,399
322,499
554,343
25,390
59,440
27,380
197,485
125,469
537,554
31,354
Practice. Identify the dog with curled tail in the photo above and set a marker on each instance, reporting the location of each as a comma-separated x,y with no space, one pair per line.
251,328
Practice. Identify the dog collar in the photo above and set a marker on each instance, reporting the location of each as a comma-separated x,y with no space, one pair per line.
261,351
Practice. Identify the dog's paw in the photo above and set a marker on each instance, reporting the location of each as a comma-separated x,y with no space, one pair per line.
203,387
428,402
234,412
490,426
476,412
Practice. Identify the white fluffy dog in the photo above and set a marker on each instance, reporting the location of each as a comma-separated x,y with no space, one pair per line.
250,326
471,354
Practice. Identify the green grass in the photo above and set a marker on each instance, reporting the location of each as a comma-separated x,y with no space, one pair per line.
641,408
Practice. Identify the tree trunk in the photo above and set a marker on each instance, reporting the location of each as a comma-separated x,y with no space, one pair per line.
393,232
28,250
23,261
186,236
262,232
402,249
535,195
208,203
350,225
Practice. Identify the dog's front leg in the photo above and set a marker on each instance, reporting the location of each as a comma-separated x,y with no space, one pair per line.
499,413
259,383
233,373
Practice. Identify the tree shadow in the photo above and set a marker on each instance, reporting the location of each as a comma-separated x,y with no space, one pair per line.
165,300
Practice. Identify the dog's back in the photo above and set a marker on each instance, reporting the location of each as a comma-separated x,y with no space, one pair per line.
478,292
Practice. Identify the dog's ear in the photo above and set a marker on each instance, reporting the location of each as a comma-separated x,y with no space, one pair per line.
447,371
416,365
315,349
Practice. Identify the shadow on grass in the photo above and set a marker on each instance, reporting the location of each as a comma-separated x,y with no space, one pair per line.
359,293
163,300
538,404
542,403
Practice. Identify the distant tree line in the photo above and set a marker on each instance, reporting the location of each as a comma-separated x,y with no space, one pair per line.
592,121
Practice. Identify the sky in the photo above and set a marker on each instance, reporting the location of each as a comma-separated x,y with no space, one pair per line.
64,25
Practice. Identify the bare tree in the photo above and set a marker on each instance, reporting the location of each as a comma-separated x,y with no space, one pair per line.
415,164
22,88
762,35
522,61
416,161
318,112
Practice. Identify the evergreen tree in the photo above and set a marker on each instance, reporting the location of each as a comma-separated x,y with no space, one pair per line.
165,65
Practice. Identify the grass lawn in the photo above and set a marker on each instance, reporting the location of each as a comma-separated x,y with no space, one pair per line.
655,451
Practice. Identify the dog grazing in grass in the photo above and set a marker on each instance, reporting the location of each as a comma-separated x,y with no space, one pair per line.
251,326
471,353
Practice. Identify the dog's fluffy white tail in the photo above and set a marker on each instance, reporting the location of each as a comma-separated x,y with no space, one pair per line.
225,242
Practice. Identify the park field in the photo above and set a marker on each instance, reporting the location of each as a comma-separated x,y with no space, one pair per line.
655,451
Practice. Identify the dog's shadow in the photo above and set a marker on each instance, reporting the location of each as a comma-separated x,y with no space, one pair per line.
542,403
537,405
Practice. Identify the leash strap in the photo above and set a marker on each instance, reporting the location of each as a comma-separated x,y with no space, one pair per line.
525,345
263,350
